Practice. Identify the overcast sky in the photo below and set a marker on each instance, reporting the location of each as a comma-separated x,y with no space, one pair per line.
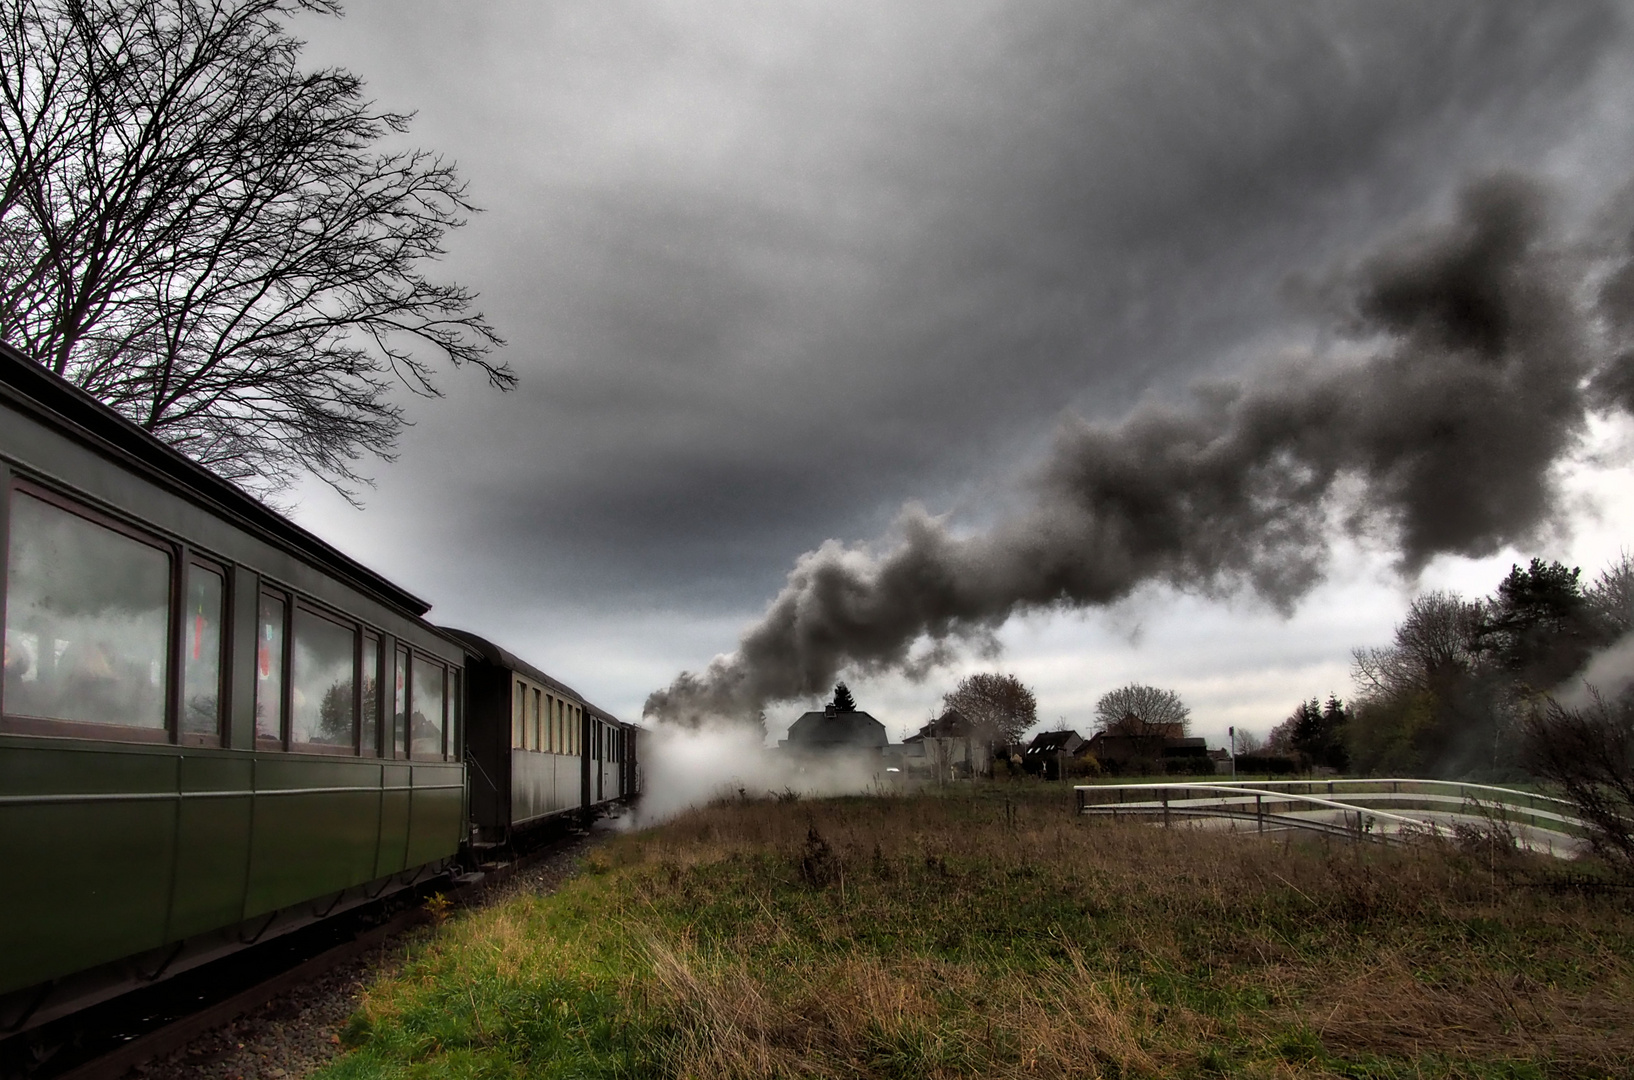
768,272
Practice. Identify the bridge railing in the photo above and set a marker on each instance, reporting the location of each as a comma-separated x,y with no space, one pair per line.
1382,809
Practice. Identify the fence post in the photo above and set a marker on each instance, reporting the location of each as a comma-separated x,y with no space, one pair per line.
1259,811
1165,808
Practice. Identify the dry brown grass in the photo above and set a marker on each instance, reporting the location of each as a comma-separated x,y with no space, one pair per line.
929,937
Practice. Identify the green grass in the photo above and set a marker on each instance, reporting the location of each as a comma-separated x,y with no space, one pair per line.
925,936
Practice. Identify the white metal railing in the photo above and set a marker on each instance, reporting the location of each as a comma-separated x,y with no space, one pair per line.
1384,809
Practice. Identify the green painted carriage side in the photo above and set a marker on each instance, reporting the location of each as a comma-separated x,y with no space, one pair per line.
112,848
116,849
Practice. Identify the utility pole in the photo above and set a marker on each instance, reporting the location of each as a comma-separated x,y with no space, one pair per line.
1232,731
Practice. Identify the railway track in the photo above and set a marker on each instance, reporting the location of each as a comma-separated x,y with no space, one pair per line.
107,1041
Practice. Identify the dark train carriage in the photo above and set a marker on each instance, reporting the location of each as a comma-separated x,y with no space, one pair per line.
525,742
612,746
213,726
536,748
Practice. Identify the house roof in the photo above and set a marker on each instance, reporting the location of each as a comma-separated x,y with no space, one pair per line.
952,724
820,728
1048,742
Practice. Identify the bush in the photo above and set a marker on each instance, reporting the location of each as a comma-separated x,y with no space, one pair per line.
1589,754
1084,766
1269,764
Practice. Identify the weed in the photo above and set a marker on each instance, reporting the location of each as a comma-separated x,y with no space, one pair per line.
438,906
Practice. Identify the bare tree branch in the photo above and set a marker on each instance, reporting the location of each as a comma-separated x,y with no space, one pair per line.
1142,711
199,233
1001,706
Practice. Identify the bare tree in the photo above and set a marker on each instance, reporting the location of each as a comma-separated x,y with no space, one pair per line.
1001,706
1144,711
1589,753
1611,597
200,234
1438,640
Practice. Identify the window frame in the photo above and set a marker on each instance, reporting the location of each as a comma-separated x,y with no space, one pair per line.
358,629
195,558
367,634
285,664
175,552
417,656
182,557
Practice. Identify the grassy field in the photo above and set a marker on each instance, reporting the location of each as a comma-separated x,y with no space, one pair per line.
990,933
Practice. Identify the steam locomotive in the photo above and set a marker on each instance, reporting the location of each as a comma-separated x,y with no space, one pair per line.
216,728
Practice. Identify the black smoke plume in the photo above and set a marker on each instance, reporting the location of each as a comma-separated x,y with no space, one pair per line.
1468,373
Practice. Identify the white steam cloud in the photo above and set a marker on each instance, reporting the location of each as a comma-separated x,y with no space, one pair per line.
690,766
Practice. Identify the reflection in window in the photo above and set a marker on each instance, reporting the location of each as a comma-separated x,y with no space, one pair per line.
538,718
370,737
201,652
428,717
321,700
400,705
87,618
269,669
455,711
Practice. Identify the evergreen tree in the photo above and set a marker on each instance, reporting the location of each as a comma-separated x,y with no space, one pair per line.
843,701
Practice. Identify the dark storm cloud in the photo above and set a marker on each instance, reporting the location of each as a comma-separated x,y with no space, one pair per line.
1448,430
770,269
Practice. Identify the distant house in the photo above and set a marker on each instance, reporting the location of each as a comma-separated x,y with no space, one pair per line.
1149,753
1049,752
832,730
948,748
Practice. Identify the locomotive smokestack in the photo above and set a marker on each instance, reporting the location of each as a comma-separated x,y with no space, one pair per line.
1470,375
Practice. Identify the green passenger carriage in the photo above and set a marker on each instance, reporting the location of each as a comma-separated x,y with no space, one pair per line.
213,726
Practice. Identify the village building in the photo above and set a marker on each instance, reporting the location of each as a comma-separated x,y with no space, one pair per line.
1131,755
1047,755
832,729
950,747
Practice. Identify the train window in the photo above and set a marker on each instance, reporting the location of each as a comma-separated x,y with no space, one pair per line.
519,721
538,719
399,725
201,652
369,723
87,618
323,687
269,670
456,712
429,710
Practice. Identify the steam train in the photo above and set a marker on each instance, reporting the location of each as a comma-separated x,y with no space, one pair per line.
215,727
